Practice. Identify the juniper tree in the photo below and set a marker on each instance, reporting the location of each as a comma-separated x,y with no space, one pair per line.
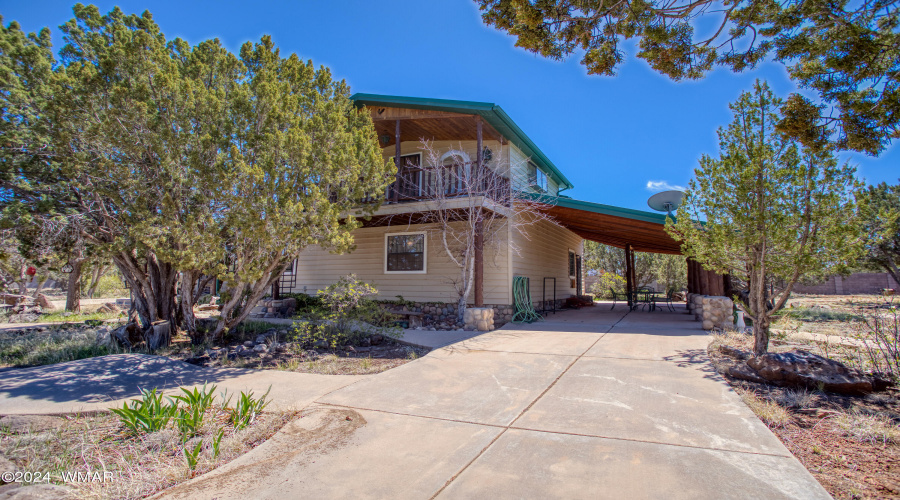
774,211
879,213
847,52
184,161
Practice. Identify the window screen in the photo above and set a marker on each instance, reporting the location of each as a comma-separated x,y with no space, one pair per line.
572,265
406,252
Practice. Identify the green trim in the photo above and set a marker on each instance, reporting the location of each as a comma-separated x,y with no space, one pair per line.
598,208
492,113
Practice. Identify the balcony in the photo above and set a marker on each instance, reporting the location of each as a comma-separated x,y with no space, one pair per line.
415,183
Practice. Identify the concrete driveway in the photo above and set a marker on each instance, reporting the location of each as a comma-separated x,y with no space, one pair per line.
587,404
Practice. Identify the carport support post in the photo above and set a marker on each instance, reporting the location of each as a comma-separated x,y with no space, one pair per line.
704,280
629,270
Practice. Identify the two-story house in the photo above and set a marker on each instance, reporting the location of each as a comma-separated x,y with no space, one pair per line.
401,256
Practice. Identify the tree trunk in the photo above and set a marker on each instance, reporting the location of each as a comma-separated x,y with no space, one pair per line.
95,279
186,306
152,284
73,293
761,334
40,287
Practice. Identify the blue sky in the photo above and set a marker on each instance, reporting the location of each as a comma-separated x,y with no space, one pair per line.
609,135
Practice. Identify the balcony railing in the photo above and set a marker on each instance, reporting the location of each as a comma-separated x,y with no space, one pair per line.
416,183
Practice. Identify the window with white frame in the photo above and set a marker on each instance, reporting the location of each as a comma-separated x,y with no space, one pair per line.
404,253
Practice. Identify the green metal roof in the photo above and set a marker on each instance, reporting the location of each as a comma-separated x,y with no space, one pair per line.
492,113
599,208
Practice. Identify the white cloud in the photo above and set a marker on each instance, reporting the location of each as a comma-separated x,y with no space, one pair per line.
657,186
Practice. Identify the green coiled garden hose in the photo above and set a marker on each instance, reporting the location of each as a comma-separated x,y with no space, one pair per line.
525,312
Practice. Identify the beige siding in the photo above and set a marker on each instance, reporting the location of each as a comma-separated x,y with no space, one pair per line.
522,172
317,269
545,255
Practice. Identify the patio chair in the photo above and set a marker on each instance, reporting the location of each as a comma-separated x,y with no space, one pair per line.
668,300
617,297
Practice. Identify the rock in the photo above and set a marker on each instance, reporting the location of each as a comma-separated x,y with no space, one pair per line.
44,302
216,353
741,371
109,308
735,352
805,369
366,342
260,339
249,344
707,324
260,348
377,339
198,360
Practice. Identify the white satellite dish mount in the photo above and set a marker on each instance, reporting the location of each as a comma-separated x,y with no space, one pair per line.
666,201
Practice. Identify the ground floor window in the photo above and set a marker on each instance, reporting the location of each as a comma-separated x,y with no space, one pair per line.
405,253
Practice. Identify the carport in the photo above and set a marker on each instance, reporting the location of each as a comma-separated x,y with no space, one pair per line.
633,231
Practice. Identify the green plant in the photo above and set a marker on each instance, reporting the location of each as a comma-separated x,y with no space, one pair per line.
148,414
194,455
217,440
605,283
247,408
201,399
348,315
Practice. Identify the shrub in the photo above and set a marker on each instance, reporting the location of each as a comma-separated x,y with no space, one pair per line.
880,332
606,282
347,316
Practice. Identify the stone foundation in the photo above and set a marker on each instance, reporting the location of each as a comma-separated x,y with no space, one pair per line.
442,315
479,318
713,311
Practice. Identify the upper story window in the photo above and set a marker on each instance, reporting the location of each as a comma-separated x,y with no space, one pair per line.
537,178
405,253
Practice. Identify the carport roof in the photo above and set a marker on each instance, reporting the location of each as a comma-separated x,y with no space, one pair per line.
611,225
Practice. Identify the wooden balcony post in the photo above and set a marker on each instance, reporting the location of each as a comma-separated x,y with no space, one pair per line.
479,156
479,228
397,161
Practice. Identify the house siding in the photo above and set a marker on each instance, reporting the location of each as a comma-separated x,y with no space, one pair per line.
317,268
545,254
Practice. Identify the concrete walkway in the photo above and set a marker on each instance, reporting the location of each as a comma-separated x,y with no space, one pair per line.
588,404
100,383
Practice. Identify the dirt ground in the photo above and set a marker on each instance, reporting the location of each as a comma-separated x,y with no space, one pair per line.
851,445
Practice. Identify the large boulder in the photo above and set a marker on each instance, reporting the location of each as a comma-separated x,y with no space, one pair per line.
805,369
44,302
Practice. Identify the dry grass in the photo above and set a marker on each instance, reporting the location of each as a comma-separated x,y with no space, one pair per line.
868,428
55,345
796,398
141,465
768,411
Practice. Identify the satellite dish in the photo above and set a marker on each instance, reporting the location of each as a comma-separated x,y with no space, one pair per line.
665,201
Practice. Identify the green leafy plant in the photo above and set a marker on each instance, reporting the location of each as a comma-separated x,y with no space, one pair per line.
247,408
606,282
217,440
201,399
148,414
347,316
193,456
